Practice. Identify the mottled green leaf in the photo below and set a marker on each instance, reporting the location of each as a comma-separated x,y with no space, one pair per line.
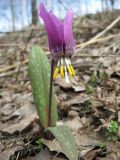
39,73
66,141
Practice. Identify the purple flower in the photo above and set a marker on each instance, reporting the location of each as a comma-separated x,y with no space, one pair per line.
60,37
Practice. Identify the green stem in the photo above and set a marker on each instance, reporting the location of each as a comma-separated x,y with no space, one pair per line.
50,94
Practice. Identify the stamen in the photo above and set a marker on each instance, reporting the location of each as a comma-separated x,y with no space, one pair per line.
68,63
61,61
69,70
72,69
66,76
62,71
64,66
55,73
58,64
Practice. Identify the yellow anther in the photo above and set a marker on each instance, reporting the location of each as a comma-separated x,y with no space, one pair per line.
62,71
72,69
55,72
69,70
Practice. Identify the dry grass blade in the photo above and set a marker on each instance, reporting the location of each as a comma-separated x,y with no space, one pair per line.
13,66
94,39
97,40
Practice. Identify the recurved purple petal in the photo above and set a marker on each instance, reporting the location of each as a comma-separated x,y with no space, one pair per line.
68,34
59,25
54,28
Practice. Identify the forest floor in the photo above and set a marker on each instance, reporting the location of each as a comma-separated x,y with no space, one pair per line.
89,105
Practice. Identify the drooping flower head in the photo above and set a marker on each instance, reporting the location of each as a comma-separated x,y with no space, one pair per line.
60,38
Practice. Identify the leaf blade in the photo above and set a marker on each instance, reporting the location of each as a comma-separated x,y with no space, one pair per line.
39,73
66,141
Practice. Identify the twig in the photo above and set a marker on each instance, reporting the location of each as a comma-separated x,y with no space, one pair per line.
78,46
18,155
10,45
97,40
96,56
102,33
13,72
107,29
13,66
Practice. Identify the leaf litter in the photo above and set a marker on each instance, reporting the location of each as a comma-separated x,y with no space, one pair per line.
86,105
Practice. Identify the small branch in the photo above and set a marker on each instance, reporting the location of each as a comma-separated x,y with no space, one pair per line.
50,94
78,47
101,33
10,45
13,66
97,40
10,73
107,29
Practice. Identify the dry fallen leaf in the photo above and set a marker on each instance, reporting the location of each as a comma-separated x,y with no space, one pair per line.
22,126
8,112
53,145
80,99
6,96
90,155
5,155
45,155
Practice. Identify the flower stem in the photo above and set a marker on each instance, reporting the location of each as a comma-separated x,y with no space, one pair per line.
50,94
